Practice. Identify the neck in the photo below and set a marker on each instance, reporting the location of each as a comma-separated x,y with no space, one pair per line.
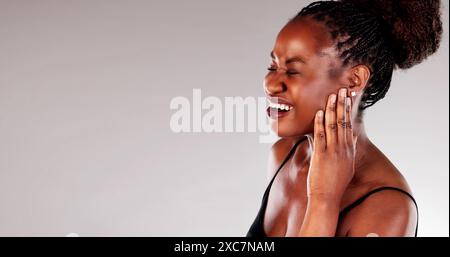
363,147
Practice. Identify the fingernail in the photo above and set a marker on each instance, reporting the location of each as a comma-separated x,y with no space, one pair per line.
333,98
320,114
343,92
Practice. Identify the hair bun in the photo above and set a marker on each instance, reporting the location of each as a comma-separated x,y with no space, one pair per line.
415,25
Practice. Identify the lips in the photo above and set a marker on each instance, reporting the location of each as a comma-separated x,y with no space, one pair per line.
278,108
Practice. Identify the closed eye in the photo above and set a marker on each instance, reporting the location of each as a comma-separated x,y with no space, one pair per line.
292,72
288,72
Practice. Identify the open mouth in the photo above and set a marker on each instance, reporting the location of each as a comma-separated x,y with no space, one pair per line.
278,110
281,107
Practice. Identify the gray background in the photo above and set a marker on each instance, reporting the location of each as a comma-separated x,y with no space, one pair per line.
85,142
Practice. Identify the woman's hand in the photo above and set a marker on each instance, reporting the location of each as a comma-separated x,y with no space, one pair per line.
333,159
332,166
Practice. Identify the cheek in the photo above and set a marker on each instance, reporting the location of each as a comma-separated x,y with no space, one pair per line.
321,89
313,96
307,102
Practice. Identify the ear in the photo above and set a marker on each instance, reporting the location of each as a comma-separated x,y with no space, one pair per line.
358,76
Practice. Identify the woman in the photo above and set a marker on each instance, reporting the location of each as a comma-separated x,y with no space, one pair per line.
329,63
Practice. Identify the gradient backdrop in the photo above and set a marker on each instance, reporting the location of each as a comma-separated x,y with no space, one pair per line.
85,141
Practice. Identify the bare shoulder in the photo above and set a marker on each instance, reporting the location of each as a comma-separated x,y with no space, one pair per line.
387,212
384,213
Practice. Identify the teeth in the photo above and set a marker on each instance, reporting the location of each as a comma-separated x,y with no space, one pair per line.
281,106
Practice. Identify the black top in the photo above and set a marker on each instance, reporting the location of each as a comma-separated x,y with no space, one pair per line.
257,228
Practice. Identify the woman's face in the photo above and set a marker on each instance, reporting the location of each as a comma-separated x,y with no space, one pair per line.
304,70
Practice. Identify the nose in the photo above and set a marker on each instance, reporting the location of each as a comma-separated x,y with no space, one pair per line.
274,85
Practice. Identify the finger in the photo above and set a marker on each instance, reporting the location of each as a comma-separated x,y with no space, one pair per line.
341,119
330,120
348,119
319,132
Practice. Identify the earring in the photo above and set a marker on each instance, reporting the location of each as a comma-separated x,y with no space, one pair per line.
353,93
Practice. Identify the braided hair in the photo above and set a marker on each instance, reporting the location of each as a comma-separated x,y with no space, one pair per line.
382,34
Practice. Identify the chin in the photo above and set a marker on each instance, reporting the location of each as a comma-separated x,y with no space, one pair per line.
286,129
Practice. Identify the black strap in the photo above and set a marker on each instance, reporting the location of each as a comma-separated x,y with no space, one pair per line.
361,199
288,156
266,193
291,152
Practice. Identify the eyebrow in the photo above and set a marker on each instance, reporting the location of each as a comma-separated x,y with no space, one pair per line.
290,60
